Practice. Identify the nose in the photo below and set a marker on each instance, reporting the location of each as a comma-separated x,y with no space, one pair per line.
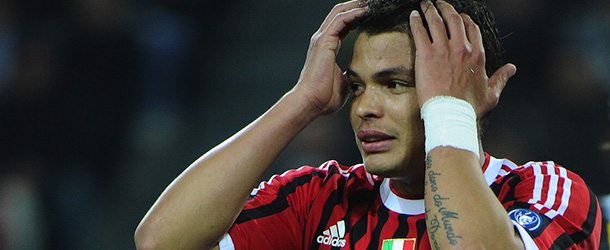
368,104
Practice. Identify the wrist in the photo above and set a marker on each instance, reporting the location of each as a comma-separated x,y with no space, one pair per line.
303,107
450,122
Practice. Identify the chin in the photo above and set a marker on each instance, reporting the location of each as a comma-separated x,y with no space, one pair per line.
381,167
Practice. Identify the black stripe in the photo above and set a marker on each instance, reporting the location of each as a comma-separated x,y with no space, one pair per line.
403,226
589,225
421,229
360,228
511,180
564,240
280,203
333,199
355,200
382,218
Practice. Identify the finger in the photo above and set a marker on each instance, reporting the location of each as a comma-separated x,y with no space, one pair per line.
454,21
341,7
498,80
473,33
419,32
436,25
343,22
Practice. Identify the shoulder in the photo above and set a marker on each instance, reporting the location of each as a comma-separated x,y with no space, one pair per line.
565,210
546,186
500,169
535,180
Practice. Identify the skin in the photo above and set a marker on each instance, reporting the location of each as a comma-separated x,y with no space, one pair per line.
385,101
186,215
458,195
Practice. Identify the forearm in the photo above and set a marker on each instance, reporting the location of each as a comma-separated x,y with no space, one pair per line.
199,206
461,211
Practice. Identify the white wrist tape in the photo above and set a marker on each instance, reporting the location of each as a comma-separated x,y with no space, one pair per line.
452,122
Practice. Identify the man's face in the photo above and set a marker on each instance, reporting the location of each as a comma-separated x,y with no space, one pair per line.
384,110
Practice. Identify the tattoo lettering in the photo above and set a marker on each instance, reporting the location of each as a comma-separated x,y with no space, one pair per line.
432,178
438,200
433,227
446,215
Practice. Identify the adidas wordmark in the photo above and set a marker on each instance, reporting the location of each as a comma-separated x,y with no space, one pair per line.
333,236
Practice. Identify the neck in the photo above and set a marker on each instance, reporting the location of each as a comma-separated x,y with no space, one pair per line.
407,189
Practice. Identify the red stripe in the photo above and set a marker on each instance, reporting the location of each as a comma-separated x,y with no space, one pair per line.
409,244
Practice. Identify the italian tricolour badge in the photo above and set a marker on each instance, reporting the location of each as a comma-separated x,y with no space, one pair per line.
398,244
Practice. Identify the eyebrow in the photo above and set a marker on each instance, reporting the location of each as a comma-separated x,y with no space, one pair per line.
386,72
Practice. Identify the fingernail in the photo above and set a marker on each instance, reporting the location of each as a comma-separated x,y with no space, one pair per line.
512,71
415,13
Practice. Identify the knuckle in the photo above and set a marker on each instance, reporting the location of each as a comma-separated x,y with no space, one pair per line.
314,38
435,22
476,26
316,41
479,55
454,18
442,51
462,49
340,6
340,15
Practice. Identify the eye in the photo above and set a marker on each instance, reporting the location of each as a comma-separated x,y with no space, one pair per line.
398,86
356,87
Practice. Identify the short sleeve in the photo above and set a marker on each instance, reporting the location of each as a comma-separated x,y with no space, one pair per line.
552,205
528,242
226,243
274,216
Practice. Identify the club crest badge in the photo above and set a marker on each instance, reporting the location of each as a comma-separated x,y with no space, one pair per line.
526,218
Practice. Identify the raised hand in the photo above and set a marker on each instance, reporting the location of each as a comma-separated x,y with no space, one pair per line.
322,81
453,63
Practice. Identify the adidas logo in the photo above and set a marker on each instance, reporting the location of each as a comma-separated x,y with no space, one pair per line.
333,236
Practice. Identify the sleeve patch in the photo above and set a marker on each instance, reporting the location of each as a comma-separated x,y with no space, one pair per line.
527,218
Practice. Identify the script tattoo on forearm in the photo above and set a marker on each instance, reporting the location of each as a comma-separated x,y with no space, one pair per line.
446,215
432,180
434,226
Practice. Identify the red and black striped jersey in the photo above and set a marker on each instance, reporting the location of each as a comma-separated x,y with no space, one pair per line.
339,207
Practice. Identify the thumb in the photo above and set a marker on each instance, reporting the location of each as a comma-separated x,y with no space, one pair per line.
499,79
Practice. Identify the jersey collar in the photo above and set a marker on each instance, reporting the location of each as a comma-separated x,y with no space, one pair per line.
401,205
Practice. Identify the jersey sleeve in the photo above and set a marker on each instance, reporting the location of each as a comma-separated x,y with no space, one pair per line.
274,216
552,205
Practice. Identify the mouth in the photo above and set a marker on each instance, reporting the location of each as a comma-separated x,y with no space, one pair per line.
374,141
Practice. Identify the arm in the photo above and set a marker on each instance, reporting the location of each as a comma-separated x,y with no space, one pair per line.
190,213
462,212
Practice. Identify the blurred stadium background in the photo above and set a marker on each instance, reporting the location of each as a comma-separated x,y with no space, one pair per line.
104,102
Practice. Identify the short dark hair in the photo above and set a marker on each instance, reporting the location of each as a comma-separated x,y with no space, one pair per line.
393,15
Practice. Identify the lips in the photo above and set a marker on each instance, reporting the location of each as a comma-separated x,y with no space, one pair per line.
374,141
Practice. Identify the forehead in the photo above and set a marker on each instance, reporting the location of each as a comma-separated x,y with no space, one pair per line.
384,50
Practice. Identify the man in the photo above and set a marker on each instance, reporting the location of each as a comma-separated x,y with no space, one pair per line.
423,185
